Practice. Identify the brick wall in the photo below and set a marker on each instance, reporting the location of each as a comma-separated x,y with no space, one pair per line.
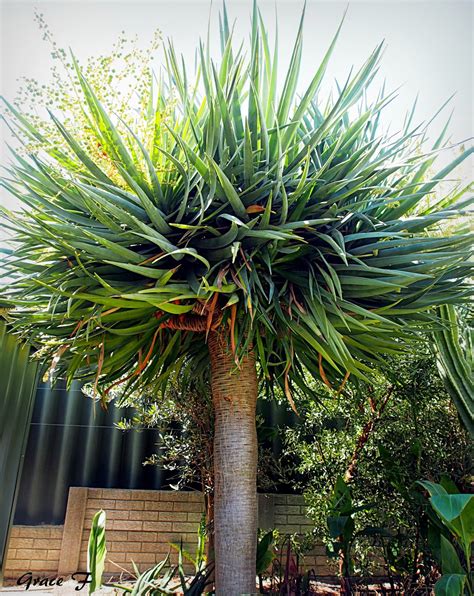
140,525
33,548
287,514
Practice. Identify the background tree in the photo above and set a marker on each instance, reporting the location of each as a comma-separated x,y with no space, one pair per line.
418,436
247,225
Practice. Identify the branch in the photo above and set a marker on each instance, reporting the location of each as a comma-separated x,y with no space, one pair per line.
367,432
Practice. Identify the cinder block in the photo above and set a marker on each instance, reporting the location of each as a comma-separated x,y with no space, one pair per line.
194,496
149,547
17,566
319,549
165,548
73,529
21,553
34,531
183,527
190,538
143,558
117,493
167,537
189,506
132,505
160,548
56,531
17,542
145,495
118,514
288,509
298,519
96,504
113,535
123,524
153,505
266,511
145,536
118,563
46,543
172,495
124,547
95,493
295,499
43,565
53,555
172,516
159,526
144,516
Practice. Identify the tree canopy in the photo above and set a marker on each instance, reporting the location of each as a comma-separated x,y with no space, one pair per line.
296,223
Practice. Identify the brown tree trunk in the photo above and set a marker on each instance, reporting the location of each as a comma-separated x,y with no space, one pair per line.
377,411
210,555
234,394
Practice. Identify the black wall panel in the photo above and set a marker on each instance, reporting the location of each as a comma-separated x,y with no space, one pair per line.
73,442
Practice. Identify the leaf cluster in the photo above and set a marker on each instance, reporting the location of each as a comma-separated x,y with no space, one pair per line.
296,226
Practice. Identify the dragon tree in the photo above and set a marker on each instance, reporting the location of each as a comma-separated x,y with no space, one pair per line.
244,227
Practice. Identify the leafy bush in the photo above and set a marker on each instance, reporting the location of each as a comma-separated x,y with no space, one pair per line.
452,535
184,419
417,435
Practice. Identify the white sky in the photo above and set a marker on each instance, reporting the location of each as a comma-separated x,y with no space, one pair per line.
429,44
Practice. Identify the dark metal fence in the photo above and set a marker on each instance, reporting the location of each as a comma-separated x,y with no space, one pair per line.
73,442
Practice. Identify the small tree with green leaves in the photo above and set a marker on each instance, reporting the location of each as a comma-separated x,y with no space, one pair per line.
247,225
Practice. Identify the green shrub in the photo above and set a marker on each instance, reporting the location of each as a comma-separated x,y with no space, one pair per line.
418,435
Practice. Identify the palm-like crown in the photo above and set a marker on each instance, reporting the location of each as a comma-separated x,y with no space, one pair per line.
292,225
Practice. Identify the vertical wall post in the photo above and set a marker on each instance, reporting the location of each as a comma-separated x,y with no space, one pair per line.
72,533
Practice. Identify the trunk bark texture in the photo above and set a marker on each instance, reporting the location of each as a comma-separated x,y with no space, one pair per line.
234,394
210,554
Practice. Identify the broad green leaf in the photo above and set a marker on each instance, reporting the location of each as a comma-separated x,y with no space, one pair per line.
450,585
450,562
457,512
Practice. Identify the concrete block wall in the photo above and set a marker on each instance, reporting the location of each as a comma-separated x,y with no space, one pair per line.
140,525
287,514
33,548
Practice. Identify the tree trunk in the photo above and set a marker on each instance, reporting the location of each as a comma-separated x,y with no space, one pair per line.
234,394
210,554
